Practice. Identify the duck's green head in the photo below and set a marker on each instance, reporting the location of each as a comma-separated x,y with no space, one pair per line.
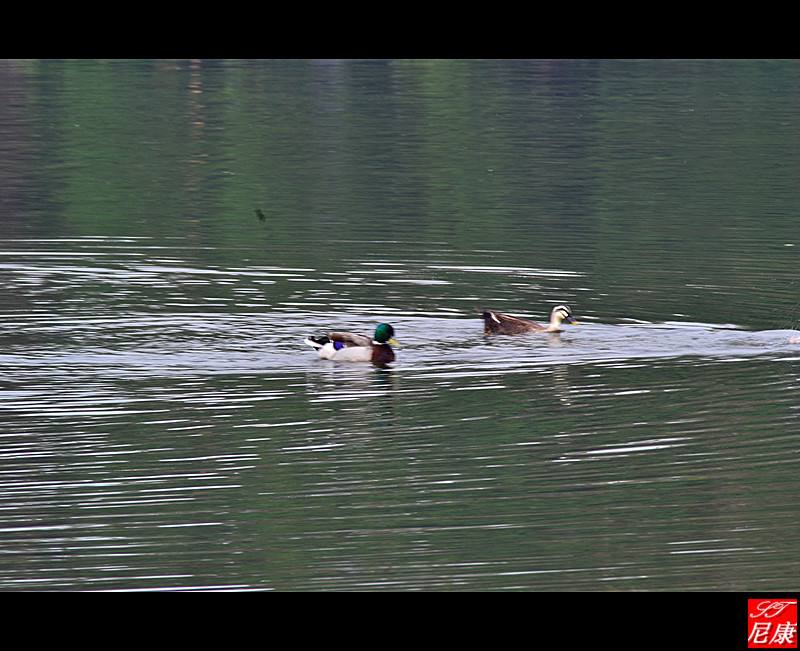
384,334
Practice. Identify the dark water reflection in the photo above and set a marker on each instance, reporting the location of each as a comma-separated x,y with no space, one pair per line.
164,426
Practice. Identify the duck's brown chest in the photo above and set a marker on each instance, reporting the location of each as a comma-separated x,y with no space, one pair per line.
382,354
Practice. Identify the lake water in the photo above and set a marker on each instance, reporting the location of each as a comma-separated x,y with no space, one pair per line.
164,427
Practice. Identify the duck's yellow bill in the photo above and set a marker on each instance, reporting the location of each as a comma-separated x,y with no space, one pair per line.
393,342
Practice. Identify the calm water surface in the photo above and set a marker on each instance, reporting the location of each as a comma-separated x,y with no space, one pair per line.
165,428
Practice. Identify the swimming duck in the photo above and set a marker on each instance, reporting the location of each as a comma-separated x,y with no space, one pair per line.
351,347
496,323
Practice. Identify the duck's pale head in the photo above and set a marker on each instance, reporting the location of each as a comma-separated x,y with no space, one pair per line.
562,313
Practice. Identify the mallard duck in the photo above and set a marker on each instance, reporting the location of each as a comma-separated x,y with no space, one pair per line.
496,323
351,347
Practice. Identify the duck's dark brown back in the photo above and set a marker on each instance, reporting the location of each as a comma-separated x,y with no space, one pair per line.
495,323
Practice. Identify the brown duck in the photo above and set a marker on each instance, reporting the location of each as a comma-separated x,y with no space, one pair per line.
496,323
